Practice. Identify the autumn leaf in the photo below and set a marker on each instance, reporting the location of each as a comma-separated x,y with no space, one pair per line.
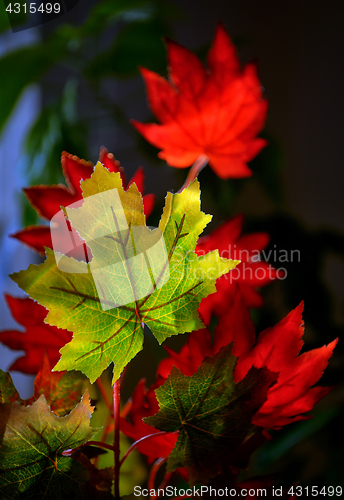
276,348
211,412
216,112
62,390
31,453
250,274
47,200
164,296
37,338
8,392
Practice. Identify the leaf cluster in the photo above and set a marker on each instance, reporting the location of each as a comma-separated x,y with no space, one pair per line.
34,440
212,413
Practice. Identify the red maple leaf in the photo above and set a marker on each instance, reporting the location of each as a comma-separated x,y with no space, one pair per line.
249,274
216,112
145,404
37,338
47,200
276,348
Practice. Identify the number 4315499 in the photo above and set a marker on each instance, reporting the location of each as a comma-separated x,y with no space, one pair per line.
33,7
314,491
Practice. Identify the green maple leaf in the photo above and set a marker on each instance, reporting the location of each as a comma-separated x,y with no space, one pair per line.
32,442
132,279
211,412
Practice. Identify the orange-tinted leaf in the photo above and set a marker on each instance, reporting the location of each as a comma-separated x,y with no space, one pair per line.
37,338
62,390
217,113
8,392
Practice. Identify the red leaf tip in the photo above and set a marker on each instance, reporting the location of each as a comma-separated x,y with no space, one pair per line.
65,155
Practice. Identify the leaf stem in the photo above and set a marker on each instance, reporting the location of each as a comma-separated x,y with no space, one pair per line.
199,164
126,408
100,444
153,472
139,441
103,393
116,409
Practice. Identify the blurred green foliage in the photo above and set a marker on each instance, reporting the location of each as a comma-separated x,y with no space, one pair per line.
114,39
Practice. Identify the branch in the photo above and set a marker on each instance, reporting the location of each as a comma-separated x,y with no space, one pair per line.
153,473
116,410
139,441
100,444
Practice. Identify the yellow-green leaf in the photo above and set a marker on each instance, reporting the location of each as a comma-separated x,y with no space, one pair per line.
135,275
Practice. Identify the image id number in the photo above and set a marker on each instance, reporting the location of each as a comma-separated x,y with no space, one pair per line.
33,7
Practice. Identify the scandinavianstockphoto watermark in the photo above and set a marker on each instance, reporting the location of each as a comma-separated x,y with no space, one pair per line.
129,262
249,268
